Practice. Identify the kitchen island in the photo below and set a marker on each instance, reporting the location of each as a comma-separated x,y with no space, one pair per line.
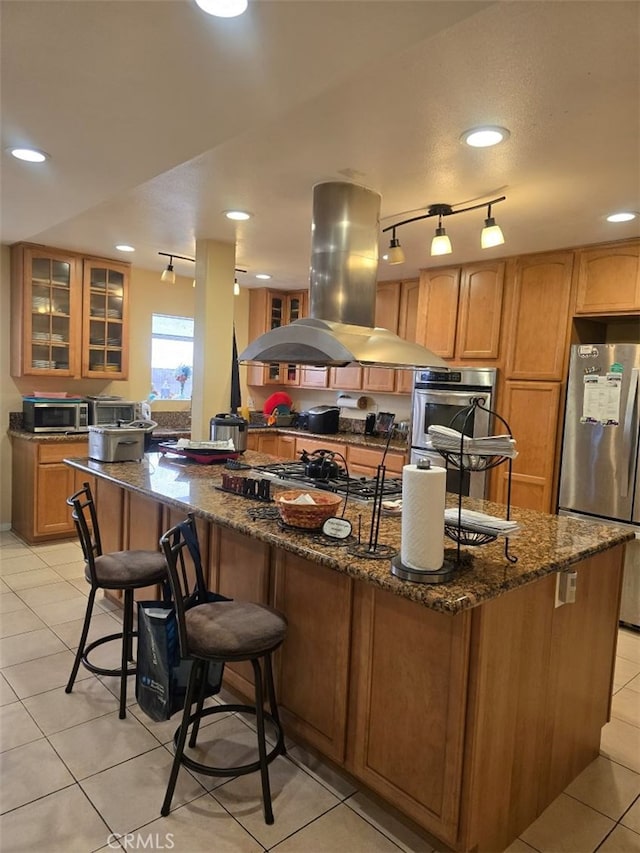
468,706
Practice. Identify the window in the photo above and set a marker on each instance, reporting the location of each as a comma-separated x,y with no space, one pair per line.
171,357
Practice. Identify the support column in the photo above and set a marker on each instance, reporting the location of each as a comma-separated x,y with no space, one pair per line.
213,333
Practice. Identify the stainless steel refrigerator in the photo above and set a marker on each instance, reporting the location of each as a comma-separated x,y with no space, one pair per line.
600,469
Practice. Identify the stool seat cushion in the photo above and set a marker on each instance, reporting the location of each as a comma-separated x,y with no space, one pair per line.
119,569
233,629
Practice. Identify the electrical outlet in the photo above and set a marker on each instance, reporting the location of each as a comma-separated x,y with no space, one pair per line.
566,583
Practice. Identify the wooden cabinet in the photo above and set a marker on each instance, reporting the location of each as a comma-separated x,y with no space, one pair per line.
313,377
240,567
347,378
408,706
365,461
110,505
286,446
532,410
313,444
408,327
438,312
396,310
312,666
537,316
460,311
263,441
608,279
105,320
41,485
69,314
270,309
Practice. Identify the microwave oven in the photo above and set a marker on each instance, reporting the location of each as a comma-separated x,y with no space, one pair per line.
42,415
112,412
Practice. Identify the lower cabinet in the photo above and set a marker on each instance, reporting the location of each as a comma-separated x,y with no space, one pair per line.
365,460
240,569
41,485
263,441
312,665
313,444
408,706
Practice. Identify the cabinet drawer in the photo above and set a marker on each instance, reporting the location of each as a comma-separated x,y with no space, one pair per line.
313,444
57,451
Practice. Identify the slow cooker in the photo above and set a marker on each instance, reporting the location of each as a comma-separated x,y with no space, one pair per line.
225,426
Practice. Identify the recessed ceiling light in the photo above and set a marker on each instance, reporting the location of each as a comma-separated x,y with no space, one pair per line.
124,247
30,155
262,275
239,215
223,8
484,137
622,216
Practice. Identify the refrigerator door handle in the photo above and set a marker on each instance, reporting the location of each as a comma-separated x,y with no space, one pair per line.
627,446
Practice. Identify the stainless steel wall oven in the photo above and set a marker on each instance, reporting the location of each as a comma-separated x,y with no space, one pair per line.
438,397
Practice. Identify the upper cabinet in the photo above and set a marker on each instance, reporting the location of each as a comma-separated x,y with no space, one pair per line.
105,350
608,279
270,309
537,317
408,328
460,311
69,314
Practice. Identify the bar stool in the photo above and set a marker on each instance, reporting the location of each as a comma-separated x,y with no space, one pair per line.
219,632
122,570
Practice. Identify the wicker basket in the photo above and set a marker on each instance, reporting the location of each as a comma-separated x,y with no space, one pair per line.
310,516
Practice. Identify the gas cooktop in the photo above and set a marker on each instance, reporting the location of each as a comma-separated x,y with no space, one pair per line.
359,488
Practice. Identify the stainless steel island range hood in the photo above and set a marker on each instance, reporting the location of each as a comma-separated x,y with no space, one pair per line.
342,293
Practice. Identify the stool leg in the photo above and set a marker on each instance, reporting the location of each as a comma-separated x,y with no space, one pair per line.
83,640
201,698
271,692
127,628
262,748
182,736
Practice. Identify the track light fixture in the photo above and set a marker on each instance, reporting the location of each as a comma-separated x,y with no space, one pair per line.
441,244
168,276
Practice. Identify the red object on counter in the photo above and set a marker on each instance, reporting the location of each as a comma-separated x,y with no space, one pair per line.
280,398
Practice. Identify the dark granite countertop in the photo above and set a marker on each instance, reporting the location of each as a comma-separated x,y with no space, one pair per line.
546,543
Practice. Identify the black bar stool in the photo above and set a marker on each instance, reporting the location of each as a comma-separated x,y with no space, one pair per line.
123,570
218,632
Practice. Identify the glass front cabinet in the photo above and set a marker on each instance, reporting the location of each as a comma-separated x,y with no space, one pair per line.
69,314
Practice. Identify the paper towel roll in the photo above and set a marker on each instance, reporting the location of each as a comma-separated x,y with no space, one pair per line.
423,498
352,402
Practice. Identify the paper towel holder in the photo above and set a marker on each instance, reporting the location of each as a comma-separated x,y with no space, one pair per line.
444,574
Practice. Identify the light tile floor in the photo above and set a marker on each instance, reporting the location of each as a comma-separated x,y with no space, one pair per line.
76,778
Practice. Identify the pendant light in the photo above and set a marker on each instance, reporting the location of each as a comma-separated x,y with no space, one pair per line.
441,244
491,233
395,255
168,276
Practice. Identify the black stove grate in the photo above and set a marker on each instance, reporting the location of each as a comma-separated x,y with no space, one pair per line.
360,488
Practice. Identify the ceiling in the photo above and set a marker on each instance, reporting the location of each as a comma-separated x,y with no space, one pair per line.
157,118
